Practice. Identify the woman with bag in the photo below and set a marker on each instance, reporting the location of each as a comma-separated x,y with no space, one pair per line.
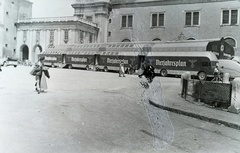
40,72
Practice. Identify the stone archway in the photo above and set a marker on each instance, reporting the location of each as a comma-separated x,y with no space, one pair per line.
24,52
37,49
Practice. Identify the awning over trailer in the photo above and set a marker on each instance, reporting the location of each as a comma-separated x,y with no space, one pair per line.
53,52
136,48
86,47
82,52
57,50
180,46
115,53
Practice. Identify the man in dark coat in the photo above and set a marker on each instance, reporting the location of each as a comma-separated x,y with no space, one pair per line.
149,73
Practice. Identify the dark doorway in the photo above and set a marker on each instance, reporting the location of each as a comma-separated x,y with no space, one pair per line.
25,53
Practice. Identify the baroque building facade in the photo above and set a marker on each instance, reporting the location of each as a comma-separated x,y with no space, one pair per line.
101,21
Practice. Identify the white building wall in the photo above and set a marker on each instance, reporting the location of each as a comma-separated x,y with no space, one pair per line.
210,22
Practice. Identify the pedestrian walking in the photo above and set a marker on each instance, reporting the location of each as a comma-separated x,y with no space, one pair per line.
40,72
121,69
216,74
185,77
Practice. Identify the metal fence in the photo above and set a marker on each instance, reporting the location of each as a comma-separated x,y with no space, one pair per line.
212,93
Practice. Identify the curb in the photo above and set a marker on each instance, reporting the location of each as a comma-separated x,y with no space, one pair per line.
201,117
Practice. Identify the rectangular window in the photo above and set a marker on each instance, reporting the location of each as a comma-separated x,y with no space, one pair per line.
234,17
52,35
130,21
81,36
51,39
161,20
157,19
188,18
154,20
37,36
192,18
225,19
195,18
90,38
66,36
127,21
109,34
124,21
230,17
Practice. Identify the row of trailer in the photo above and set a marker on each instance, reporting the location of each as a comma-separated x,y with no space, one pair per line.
199,57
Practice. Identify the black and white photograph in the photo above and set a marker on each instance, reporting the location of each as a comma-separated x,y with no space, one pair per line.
119,76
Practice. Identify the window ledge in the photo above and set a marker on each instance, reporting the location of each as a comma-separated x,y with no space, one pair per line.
227,25
158,27
192,26
122,28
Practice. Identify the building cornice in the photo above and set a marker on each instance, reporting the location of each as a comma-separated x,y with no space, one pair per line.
144,3
90,5
56,20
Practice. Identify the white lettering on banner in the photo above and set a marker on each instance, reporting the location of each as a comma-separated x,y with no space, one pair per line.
47,58
116,61
228,55
171,63
78,59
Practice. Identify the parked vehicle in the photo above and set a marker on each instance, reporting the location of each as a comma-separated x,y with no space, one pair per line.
230,66
199,64
199,57
9,62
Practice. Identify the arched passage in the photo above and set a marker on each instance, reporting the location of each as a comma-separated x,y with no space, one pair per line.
37,49
24,52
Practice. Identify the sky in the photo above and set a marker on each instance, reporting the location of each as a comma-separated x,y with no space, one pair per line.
52,8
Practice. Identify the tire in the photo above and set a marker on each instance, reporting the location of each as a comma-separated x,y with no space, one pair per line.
105,69
70,66
15,65
202,75
52,65
163,72
87,67
5,64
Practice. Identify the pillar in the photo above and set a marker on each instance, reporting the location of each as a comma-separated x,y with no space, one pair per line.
235,98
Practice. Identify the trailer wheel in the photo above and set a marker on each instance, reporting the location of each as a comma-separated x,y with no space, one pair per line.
87,67
52,65
202,75
70,66
163,72
105,69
